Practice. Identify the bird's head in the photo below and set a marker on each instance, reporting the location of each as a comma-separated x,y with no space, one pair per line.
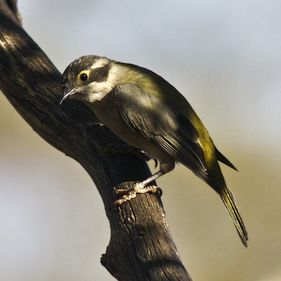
89,78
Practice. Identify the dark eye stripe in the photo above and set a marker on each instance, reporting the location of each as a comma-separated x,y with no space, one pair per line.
100,74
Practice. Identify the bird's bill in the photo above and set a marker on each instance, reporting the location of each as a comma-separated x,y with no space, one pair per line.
68,94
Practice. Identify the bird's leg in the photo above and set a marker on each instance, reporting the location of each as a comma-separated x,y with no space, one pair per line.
145,185
140,187
150,179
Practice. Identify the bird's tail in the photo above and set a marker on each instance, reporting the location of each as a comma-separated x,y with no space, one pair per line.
229,202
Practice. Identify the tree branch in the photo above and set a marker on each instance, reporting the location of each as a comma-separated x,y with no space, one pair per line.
141,247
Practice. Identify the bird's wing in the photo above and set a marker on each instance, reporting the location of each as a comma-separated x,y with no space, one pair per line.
150,116
224,160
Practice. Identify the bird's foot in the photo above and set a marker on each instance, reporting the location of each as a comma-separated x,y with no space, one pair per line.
128,194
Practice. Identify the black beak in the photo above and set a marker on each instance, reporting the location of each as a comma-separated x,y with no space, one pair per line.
68,94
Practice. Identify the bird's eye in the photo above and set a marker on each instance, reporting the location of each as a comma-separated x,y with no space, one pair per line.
83,76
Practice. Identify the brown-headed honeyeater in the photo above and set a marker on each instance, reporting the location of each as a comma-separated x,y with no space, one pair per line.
148,113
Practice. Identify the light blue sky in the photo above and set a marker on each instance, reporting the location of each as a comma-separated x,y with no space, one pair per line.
225,57
220,54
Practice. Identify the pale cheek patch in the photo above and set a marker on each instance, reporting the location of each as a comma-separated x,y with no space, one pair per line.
95,97
94,91
98,87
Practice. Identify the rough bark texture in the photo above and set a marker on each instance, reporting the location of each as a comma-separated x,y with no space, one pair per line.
141,247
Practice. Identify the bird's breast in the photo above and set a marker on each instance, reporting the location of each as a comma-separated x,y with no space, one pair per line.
109,115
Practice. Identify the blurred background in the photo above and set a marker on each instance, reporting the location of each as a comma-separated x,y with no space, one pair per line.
225,57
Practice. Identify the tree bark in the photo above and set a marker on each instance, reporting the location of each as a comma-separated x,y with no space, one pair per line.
141,247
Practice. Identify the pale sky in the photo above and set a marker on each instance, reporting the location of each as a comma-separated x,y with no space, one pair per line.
225,57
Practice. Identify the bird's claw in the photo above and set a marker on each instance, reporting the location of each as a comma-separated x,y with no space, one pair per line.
128,194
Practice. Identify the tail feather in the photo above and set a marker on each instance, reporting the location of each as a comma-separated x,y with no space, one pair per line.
232,209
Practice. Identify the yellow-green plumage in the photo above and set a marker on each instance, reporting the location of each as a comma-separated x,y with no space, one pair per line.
147,112
214,175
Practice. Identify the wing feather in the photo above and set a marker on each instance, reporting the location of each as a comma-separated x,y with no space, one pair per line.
224,160
151,117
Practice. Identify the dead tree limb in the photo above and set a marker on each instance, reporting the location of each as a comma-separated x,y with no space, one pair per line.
141,247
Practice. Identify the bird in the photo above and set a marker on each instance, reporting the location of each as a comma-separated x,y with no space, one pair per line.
148,113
